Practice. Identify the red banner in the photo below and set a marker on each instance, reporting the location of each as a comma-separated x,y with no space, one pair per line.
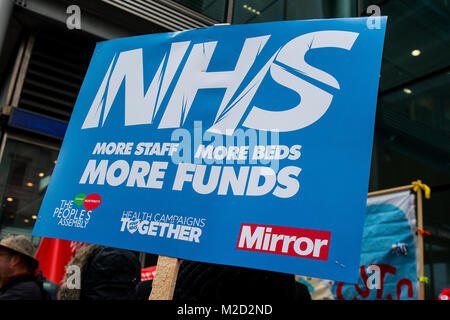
53,256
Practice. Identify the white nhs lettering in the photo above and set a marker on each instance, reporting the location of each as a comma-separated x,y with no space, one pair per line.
141,107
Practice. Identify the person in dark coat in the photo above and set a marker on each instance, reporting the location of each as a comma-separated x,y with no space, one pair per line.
198,281
106,274
17,270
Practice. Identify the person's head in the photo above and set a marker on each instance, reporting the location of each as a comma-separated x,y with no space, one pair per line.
111,274
16,256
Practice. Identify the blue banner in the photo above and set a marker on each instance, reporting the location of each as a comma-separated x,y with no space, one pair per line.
245,145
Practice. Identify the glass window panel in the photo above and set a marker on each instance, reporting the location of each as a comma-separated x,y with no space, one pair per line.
25,171
417,40
253,11
215,9
426,102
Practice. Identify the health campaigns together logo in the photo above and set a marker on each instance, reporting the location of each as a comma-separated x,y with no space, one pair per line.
77,212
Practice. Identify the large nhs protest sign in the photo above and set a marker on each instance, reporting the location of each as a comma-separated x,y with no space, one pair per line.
244,145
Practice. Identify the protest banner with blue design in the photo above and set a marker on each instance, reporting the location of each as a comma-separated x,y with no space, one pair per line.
244,145
389,266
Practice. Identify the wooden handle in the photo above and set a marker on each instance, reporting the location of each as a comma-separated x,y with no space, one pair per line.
163,285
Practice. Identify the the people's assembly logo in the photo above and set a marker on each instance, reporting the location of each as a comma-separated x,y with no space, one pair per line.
77,212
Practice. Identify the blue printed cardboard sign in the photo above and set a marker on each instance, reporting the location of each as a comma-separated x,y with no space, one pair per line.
245,145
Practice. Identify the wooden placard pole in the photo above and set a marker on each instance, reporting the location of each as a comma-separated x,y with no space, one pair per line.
392,190
420,242
163,285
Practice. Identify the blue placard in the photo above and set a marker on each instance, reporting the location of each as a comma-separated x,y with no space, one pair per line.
246,145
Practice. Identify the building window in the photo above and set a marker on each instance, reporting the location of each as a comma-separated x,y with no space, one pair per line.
253,11
215,9
25,171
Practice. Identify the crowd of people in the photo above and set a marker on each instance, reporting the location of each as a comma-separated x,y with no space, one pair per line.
107,273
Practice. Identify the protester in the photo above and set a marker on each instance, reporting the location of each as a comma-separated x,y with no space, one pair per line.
143,289
105,274
199,282
17,270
